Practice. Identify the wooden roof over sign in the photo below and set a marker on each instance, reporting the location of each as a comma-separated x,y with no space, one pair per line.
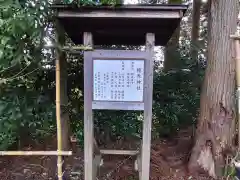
124,25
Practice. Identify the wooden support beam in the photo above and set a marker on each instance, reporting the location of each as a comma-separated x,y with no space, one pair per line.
70,48
147,123
88,119
35,153
120,14
119,152
118,105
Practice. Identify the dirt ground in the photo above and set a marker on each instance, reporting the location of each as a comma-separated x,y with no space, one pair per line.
168,162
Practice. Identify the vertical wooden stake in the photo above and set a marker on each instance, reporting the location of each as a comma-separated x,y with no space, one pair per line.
237,54
148,91
58,119
88,119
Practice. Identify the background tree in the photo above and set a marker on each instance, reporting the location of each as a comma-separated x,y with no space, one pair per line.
26,109
65,120
195,28
215,130
171,50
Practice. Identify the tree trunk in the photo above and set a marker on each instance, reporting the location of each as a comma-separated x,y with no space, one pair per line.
195,67
64,117
195,28
63,91
216,124
171,54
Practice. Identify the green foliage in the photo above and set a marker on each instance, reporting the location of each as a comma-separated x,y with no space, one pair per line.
112,125
21,34
229,171
27,94
174,1
24,111
24,115
176,101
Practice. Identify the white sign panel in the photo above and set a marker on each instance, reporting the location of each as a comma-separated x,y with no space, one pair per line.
118,80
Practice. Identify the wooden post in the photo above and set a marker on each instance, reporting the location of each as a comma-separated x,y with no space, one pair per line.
237,46
147,124
88,119
236,39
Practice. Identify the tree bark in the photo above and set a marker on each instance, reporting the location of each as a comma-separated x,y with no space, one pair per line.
171,54
63,91
64,117
216,123
195,28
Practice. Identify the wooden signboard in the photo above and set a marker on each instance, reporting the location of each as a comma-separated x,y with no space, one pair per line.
118,80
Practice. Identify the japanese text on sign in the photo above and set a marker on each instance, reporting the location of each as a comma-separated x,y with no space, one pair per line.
118,80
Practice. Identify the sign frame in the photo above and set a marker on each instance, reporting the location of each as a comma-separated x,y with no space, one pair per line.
91,159
115,55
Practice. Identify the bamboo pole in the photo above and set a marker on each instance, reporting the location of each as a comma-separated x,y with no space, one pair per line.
35,153
236,39
58,119
70,48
